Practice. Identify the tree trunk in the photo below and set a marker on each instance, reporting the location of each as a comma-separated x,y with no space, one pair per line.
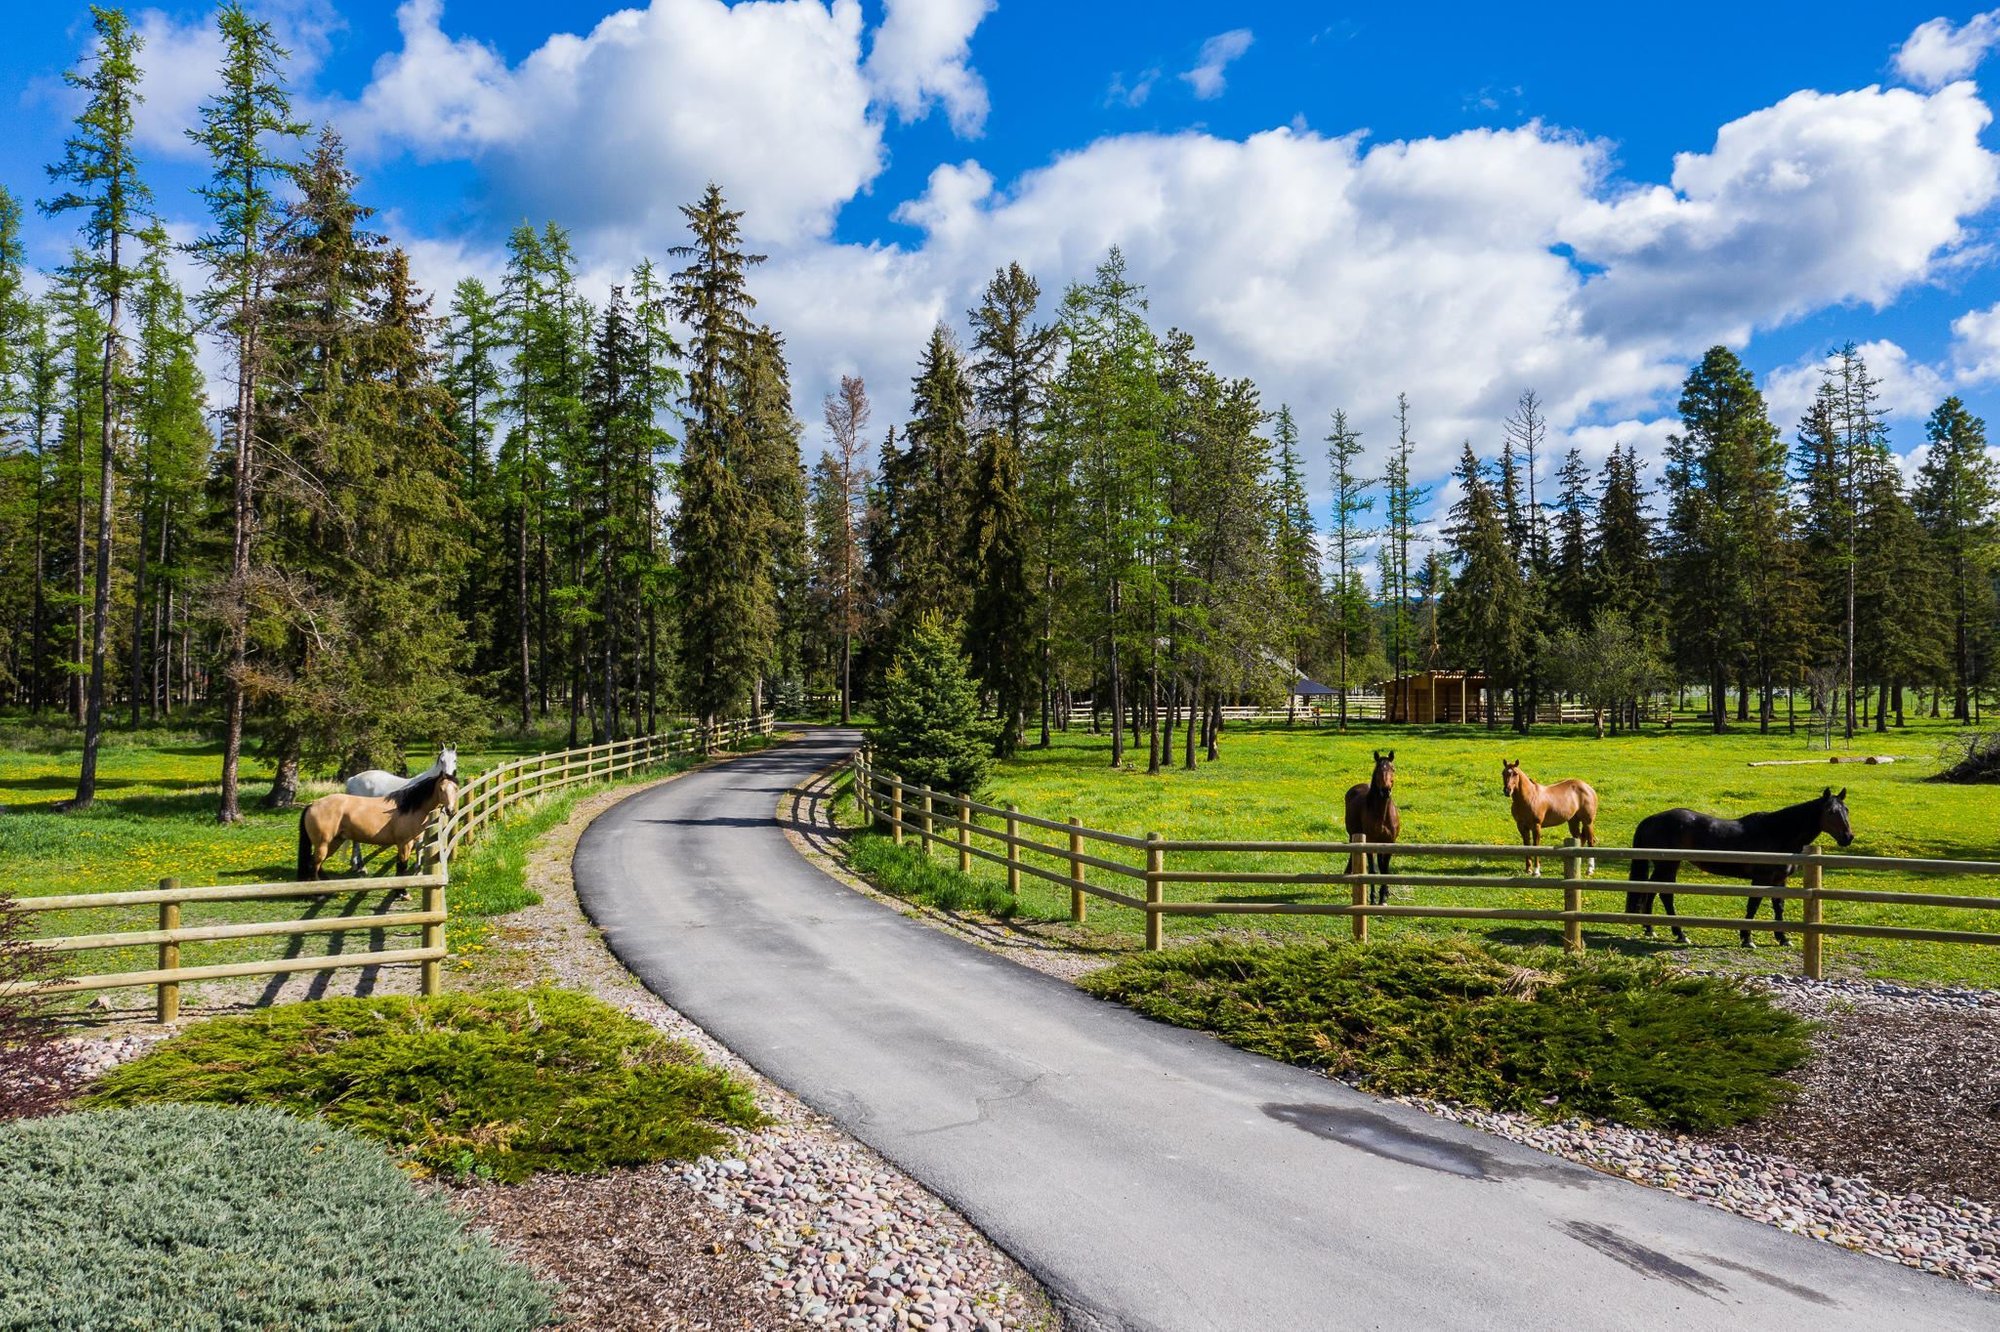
100,610
138,675
244,516
284,792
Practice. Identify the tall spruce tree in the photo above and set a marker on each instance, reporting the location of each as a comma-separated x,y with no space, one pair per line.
728,605
1347,536
999,631
1483,616
1956,498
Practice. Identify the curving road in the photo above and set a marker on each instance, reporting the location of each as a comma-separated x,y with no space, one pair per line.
1153,1178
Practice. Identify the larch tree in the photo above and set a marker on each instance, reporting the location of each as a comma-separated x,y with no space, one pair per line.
841,482
100,166
1347,536
247,133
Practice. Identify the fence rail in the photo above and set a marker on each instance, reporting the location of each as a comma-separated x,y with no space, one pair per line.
905,808
482,800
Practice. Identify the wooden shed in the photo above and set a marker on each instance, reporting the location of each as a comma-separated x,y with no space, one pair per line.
1435,696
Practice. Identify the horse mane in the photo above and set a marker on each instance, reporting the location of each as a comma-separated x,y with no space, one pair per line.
413,797
1805,814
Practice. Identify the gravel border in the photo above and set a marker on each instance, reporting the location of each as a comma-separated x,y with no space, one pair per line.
1954,1237
840,1236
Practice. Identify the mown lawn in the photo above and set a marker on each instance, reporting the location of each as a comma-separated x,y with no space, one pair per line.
155,818
1276,784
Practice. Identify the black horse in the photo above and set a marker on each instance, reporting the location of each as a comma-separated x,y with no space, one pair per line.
1791,829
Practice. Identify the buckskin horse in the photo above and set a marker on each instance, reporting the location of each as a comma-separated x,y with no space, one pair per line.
1536,807
1371,812
392,820
381,782
1789,830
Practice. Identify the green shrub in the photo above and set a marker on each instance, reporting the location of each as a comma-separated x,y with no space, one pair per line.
906,871
1530,1029
498,1084
197,1217
931,732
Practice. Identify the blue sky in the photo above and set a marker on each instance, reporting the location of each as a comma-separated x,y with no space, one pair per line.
1342,203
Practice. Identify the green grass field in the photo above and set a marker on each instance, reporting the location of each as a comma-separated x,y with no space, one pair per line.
1276,784
155,818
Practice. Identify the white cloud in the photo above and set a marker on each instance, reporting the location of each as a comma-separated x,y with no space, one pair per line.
1134,94
1975,345
180,60
1820,200
613,130
1207,77
919,55
1906,388
1937,52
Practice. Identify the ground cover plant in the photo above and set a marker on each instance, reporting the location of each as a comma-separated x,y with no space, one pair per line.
1276,784
497,1084
1535,1030
201,1217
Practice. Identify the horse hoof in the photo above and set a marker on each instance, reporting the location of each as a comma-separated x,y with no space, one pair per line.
1748,942
1784,942
1680,938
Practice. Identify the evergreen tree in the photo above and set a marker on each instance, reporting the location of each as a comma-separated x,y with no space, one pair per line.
245,131
1350,502
1957,493
931,732
728,605
1296,546
1401,497
933,479
999,632
101,166
1570,592
1483,615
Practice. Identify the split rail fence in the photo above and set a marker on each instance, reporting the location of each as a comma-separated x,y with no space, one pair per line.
939,819
482,800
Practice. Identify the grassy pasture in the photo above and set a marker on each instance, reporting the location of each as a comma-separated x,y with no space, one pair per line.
1279,784
155,817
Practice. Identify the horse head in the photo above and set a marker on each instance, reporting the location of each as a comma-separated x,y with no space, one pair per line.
447,792
448,760
1510,775
1383,779
1833,820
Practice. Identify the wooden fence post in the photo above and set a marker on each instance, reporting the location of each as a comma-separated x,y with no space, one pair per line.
1013,852
1357,863
924,823
1572,898
896,808
1156,864
167,998
1811,880
433,937
1077,910
965,837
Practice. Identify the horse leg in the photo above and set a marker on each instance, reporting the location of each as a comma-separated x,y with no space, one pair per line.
1532,836
1778,911
1669,871
1381,866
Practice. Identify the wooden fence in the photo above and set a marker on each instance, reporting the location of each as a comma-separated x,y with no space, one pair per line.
482,800
937,818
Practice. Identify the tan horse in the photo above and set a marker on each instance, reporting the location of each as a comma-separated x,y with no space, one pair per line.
1537,807
396,819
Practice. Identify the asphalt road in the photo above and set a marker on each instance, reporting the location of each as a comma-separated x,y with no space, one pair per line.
1150,1177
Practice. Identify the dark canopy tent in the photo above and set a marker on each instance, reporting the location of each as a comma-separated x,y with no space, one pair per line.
1308,688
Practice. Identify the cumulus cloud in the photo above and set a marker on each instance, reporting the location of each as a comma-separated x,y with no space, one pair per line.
1938,52
920,55
1905,387
1133,94
1975,339
1821,199
612,130
1207,77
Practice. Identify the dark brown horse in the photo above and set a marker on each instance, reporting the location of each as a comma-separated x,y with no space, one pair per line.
1789,830
1371,813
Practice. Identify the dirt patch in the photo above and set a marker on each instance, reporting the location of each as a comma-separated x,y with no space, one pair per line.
1903,1095
631,1250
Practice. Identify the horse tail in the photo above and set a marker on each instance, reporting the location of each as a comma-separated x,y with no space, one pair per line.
308,866
1641,869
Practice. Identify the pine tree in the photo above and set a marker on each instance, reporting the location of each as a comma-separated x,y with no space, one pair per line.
934,480
999,632
840,488
728,606
1483,616
1350,502
1570,591
1401,498
1296,544
101,165
1957,493
931,732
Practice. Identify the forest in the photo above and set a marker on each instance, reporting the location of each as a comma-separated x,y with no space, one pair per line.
407,515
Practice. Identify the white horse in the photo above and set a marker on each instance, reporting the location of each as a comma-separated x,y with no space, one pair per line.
377,782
